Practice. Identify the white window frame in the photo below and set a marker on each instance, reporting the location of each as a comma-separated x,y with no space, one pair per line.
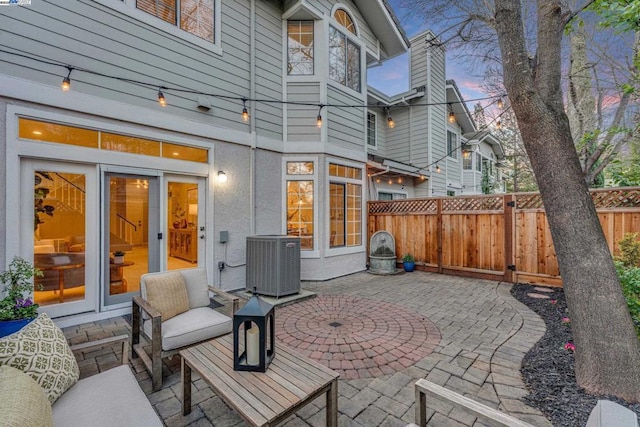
315,37
375,130
128,7
343,250
315,253
452,153
394,194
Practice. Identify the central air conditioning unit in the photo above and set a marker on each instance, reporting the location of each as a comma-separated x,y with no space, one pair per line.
273,265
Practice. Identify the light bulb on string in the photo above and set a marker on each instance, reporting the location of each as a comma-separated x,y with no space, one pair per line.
66,82
500,103
319,118
161,99
498,124
438,170
452,117
245,113
390,121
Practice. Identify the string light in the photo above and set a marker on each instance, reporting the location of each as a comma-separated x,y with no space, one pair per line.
452,117
498,124
66,82
245,113
500,103
161,100
438,170
319,118
390,121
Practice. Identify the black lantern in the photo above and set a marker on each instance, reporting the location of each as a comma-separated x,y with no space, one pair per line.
258,336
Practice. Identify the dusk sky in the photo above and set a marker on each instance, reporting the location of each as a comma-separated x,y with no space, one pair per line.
393,76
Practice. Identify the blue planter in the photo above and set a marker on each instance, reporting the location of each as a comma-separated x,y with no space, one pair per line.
409,266
7,327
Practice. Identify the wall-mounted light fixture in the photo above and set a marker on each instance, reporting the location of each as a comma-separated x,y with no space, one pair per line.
222,177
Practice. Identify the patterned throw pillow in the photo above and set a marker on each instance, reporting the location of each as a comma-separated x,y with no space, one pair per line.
167,293
41,350
23,403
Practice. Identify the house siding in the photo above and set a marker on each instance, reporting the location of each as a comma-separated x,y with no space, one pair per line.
98,38
301,119
346,126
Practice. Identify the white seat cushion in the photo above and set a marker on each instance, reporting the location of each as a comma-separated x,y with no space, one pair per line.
111,398
197,286
190,327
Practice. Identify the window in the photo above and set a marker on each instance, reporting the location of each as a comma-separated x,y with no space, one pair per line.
371,129
193,16
300,206
300,48
345,206
467,160
478,162
345,20
451,193
452,145
383,195
344,60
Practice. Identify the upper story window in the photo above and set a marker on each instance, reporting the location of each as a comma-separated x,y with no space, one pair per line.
299,48
344,54
344,60
193,16
467,160
478,162
452,144
371,129
345,20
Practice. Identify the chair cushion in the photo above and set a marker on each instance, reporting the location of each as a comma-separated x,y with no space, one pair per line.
111,398
197,287
193,326
41,350
167,293
23,403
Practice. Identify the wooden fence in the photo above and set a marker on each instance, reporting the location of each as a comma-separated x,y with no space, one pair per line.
500,237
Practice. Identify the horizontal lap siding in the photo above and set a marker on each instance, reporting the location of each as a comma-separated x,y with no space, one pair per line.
301,119
268,74
101,39
345,125
397,144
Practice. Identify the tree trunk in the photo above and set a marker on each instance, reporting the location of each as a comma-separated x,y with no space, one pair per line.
607,348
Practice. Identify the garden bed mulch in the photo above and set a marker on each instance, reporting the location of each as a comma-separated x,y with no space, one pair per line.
548,368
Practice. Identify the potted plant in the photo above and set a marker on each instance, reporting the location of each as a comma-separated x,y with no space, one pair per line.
118,257
408,262
17,307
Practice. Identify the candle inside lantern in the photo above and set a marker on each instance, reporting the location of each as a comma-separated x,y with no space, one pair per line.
253,346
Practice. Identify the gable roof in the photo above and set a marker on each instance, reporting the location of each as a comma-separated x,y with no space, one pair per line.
486,136
385,26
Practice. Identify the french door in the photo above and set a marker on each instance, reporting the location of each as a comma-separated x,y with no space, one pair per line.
59,205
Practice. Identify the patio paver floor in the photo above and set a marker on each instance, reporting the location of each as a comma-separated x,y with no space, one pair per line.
484,334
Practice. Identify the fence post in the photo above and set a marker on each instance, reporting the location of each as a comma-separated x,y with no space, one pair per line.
439,207
509,212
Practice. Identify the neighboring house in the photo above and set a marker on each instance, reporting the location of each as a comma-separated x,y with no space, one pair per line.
431,146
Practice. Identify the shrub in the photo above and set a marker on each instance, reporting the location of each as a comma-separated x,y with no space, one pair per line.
629,250
630,281
408,258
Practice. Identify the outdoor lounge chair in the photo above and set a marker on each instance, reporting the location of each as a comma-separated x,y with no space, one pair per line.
175,310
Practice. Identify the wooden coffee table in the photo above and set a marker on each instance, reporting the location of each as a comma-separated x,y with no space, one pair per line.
262,399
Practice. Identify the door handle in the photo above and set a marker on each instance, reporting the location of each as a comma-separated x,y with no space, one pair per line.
202,236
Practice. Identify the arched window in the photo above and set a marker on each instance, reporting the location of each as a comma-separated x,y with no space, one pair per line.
345,20
344,52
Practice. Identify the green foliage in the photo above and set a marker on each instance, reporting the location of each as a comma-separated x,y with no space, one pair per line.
485,182
39,194
630,282
629,250
408,258
620,14
625,174
18,282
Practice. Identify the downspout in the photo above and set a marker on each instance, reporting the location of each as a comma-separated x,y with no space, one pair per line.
252,91
429,122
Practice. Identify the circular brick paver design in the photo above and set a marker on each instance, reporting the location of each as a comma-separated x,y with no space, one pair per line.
358,337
